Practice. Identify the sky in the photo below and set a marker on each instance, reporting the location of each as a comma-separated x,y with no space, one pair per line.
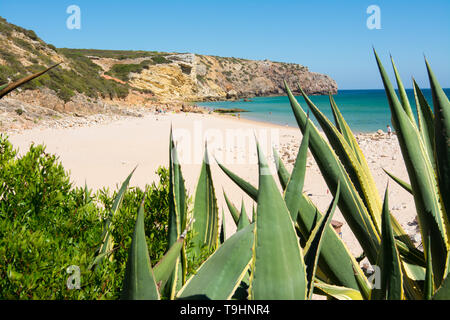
327,36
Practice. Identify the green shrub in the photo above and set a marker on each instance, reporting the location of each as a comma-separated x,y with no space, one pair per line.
23,44
47,225
122,71
160,60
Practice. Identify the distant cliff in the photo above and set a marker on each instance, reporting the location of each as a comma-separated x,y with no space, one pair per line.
137,77
200,77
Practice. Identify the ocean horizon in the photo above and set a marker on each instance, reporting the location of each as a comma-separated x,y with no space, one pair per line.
365,110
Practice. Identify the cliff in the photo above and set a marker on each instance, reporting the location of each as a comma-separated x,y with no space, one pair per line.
141,77
201,77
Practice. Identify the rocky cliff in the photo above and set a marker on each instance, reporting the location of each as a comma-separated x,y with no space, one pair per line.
201,77
141,77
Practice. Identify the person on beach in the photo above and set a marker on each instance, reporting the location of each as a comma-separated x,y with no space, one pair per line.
389,131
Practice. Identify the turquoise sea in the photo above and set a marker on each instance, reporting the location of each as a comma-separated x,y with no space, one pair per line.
364,110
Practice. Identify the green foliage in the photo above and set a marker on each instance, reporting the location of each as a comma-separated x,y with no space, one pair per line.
82,77
47,225
122,71
160,60
115,54
288,250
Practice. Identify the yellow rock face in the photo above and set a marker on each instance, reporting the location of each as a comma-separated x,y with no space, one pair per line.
165,80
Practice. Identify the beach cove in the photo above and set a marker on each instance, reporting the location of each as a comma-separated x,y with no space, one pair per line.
103,153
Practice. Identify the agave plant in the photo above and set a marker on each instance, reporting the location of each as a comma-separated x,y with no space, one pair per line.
406,271
288,228
242,265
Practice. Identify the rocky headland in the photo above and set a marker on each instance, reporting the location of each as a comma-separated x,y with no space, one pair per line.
89,82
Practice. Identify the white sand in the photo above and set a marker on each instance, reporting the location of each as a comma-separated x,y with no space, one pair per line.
104,154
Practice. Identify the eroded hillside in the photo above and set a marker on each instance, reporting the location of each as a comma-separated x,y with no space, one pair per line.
141,77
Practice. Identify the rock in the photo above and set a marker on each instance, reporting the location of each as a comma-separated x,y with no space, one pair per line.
417,238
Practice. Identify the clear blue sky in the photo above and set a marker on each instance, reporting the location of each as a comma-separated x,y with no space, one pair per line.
328,36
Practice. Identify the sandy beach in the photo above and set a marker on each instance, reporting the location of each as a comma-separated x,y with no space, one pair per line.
103,154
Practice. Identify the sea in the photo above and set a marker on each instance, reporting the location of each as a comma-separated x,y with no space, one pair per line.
364,110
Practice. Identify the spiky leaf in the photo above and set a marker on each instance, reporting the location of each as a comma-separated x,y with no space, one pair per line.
139,282
295,185
314,244
350,203
422,178
442,138
276,274
220,275
391,287
206,212
336,292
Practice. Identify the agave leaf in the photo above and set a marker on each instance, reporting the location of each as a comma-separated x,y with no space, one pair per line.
403,96
334,250
344,129
400,182
428,283
220,275
177,219
283,174
350,203
295,185
369,190
365,290
276,274
335,259
389,261
425,118
222,235
442,139
139,282
177,195
422,178
4,90
337,292
206,213
254,214
359,174
108,241
313,246
233,210
164,268
411,255
250,190
443,293
243,219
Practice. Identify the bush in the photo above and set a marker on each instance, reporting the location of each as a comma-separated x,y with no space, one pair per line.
47,225
122,71
160,60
